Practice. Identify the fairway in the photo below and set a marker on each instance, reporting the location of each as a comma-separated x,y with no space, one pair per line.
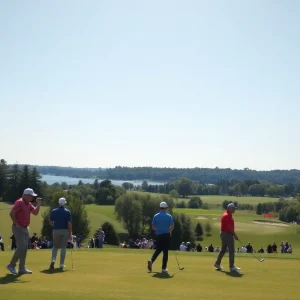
259,235
113,273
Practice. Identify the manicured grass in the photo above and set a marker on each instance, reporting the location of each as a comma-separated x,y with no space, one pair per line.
114,274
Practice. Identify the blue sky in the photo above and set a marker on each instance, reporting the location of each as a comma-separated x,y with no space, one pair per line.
150,83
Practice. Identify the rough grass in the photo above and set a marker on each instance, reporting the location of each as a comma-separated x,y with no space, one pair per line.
114,274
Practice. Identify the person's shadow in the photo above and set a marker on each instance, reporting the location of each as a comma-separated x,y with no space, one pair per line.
233,274
10,278
53,271
162,275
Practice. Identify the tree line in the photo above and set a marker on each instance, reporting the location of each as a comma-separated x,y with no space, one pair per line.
286,210
201,175
184,187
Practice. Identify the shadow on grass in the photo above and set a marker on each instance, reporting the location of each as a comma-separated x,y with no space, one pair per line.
10,278
162,275
233,274
54,271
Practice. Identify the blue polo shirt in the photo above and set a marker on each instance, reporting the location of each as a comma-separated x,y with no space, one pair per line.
61,217
162,221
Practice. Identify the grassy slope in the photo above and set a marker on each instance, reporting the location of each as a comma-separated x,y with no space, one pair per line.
114,274
258,234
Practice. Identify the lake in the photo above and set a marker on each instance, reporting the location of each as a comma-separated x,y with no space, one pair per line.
50,179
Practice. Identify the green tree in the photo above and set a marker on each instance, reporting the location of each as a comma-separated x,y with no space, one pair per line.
199,231
174,194
3,176
195,202
35,180
129,211
13,184
25,178
80,221
259,209
208,229
111,237
145,186
185,187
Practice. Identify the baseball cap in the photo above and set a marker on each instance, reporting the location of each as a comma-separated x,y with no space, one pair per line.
29,192
62,201
231,205
163,205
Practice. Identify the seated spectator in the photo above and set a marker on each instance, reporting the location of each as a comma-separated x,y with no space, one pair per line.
261,250
249,248
274,248
244,249
1,243
182,247
199,248
289,250
217,250
33,241
269,249
211,248
151,244
188,246
286,247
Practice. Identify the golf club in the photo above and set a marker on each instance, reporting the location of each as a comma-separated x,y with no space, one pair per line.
259,259
180,268
72,260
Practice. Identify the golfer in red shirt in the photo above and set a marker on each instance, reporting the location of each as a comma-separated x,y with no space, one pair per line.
227,237
20,216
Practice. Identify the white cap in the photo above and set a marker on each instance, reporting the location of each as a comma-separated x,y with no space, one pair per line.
163,205
231,205
29,192
62,201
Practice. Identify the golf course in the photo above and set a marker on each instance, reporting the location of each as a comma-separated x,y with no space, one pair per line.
117,273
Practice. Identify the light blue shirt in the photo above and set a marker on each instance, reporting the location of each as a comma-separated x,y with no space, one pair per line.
162,221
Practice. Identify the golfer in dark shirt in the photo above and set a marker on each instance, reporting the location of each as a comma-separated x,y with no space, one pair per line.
163,224
61,220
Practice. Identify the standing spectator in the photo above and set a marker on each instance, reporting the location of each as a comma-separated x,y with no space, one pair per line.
13,243
101,236
282,247
61,221
163,224
227,237
269,249
274,248
20,216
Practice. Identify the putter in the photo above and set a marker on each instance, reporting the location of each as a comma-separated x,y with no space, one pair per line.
259,259
180,268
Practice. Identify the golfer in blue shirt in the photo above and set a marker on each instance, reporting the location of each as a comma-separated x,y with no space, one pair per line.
163,224
61,221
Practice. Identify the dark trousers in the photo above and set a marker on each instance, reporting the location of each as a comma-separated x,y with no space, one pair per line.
227,242
162,245
2,246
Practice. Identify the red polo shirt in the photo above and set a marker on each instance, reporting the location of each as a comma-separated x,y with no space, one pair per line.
227,223
23,210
